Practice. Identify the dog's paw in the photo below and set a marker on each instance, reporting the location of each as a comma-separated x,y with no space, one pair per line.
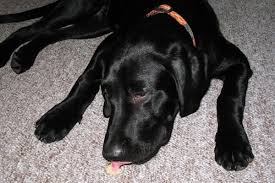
55,125
21,61
233,152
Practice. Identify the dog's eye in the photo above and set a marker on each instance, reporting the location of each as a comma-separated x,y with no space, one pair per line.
137,96
137,92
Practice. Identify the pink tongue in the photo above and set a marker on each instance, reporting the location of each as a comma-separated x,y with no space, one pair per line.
117,164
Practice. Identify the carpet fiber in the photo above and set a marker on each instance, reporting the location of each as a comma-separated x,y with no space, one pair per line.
188,157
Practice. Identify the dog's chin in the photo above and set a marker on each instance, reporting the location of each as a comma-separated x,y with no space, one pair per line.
146,158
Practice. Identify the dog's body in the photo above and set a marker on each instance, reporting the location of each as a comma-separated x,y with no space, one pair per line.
148,70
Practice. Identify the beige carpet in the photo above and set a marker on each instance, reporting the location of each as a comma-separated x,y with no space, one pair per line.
189,157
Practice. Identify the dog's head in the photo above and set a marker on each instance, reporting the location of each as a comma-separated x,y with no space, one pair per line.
144,89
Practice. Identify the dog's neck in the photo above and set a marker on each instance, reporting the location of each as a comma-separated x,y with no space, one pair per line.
164,8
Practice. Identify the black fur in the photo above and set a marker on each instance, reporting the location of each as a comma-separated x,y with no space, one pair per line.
148,70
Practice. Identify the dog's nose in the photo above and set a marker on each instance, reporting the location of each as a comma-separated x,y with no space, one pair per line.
115,151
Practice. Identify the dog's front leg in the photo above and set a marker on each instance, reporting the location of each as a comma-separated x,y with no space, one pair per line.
232,150
57,123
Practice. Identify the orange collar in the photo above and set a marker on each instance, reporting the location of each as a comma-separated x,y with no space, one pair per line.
165,8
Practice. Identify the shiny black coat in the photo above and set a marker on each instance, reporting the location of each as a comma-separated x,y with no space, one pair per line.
148,70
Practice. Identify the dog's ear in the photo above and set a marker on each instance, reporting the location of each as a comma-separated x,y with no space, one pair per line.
191,79
107,47
107,108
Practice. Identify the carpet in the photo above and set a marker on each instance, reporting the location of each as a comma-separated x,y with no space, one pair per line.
188,157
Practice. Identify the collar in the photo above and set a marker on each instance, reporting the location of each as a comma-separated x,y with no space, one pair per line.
165,8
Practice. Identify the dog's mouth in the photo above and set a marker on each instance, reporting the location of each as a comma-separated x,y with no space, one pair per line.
118,164
114,168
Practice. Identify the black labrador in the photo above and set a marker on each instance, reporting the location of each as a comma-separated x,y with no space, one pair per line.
157,61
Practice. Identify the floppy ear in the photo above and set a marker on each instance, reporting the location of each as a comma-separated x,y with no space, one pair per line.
107,108
190,76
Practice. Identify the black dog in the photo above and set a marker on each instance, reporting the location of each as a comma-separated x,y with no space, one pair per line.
150,68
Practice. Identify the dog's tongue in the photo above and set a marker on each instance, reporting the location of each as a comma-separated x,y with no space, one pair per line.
114,167
117,164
